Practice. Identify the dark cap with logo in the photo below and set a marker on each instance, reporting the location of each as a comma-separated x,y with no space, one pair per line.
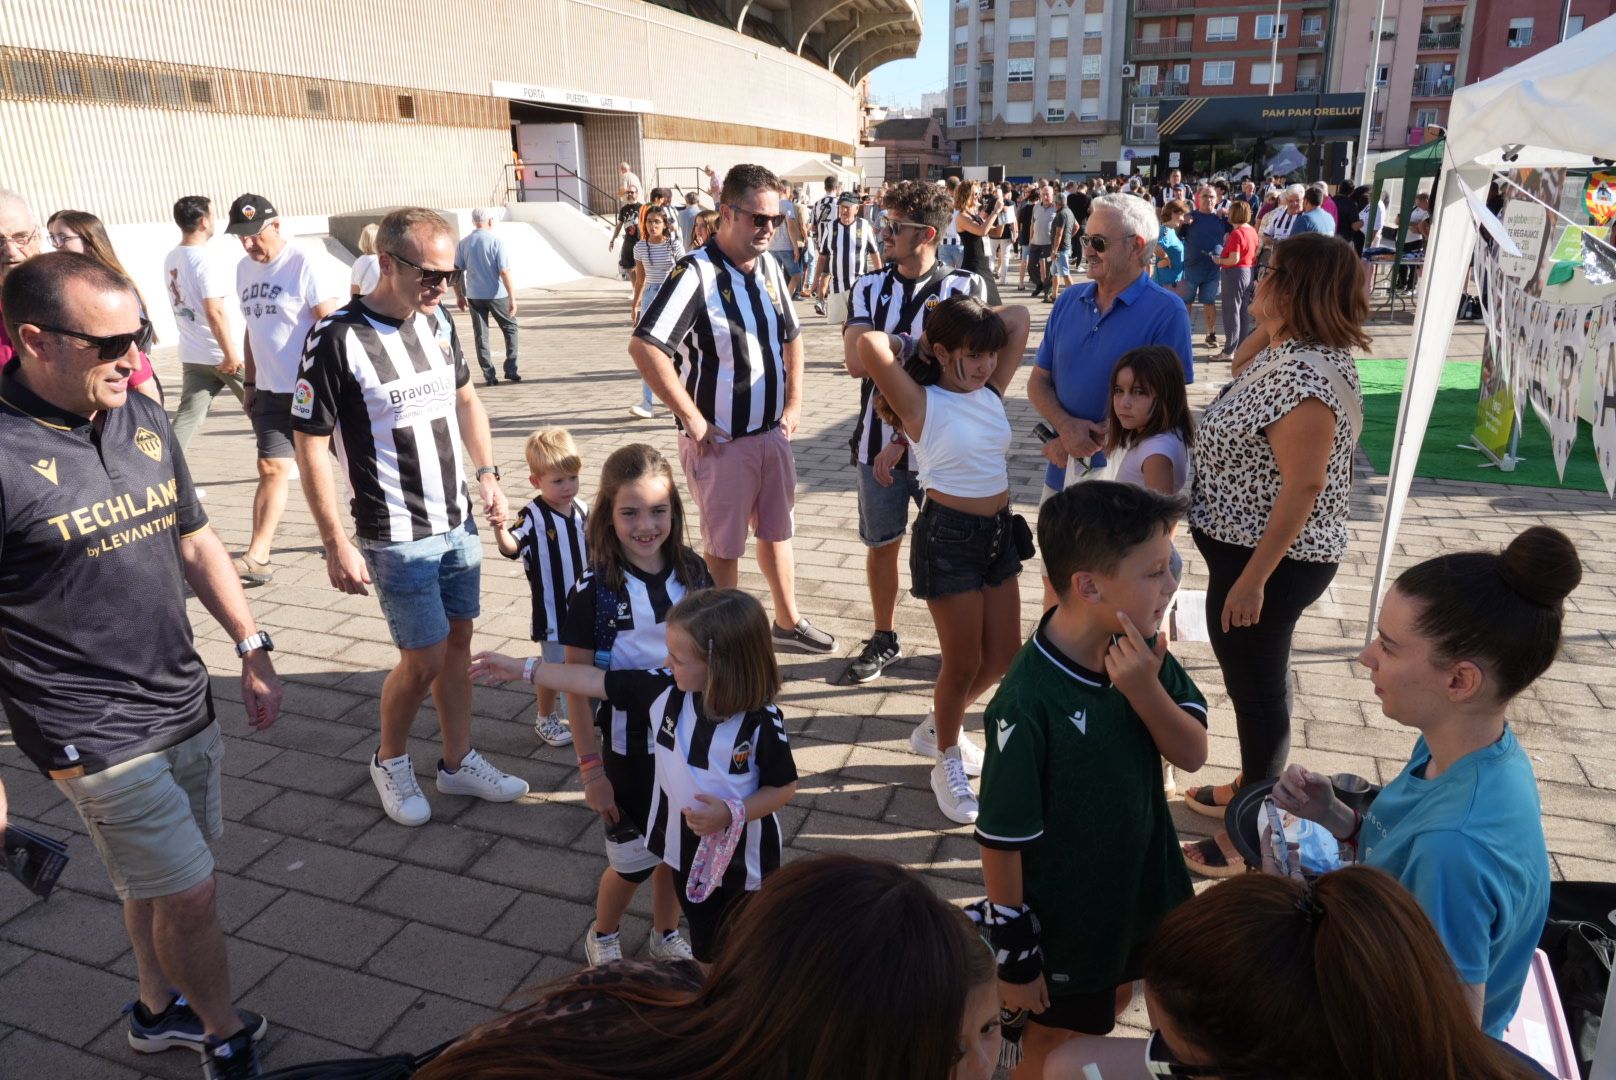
847,198
249,214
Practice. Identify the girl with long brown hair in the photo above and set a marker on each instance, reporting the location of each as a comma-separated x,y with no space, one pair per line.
83,232
840,968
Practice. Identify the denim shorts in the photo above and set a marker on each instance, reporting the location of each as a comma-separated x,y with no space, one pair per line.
953,552
789,263
1200,291
424,584
884,511
1063,264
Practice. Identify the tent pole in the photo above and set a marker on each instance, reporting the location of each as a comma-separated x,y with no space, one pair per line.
1370,82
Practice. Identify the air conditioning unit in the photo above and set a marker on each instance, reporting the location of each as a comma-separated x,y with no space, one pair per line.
1127,71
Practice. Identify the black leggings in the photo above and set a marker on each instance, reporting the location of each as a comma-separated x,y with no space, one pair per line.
1256,660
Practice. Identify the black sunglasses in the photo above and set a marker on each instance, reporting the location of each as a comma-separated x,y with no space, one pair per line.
1161,1061
113,346
431,279
1096,242
759,221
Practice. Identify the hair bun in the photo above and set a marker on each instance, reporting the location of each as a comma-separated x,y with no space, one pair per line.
1541,564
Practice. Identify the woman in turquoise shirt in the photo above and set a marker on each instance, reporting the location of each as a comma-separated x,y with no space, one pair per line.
1169,247
1461,827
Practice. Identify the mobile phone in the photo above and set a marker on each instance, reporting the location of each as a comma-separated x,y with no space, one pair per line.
1044,432
624,832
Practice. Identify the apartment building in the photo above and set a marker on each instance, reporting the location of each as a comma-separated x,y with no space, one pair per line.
1509,33
1035,85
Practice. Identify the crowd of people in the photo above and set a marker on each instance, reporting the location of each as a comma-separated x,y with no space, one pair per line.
660,673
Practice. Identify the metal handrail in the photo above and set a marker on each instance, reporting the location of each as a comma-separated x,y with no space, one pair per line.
678,189
530,178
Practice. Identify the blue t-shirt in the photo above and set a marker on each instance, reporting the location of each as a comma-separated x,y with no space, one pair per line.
1469,845
1203,236
1316,220
1081,346
482,257
1172,247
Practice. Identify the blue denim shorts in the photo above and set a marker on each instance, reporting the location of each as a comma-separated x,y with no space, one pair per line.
955,552
1063,264
1200,291
424,584
884,511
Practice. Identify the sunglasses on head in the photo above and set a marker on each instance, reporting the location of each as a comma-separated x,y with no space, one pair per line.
431,279
759,221
1161,1061
113,346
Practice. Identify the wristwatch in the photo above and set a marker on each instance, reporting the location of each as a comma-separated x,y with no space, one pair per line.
260,640
487,469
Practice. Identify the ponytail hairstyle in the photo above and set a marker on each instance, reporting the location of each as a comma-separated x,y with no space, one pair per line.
627,464
731,631
960,322
1343,978
1160,370
1502,610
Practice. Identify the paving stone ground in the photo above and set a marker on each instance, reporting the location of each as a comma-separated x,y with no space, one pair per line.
354,934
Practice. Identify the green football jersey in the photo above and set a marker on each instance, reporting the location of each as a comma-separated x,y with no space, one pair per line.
1073,781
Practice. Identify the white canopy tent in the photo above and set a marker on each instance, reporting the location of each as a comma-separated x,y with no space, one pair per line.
816,169
1550,111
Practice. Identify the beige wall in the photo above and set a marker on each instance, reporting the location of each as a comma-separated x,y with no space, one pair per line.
129,162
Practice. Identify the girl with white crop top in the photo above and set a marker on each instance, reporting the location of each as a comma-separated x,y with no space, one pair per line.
946,397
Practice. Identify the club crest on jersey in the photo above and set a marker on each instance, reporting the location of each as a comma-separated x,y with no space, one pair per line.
774,293
303,399
551,533
740,757
149,443
932,303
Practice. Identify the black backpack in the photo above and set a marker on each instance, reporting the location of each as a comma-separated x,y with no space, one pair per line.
1580,942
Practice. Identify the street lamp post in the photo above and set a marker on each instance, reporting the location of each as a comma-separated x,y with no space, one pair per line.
1273,52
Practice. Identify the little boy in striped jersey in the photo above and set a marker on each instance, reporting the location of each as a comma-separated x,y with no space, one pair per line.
549,539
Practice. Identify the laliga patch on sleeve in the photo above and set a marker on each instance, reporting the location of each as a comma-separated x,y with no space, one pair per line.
303,399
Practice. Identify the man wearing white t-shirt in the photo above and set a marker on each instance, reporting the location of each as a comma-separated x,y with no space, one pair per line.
198,286
284,292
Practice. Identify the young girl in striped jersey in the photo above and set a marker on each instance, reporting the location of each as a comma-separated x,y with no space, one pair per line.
617,620
654,257
723,766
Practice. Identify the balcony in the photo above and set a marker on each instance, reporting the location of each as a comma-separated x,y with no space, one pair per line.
1309,84
1159,88
1445,39
1434,86
984,88
1309,41
1162,47
1158,7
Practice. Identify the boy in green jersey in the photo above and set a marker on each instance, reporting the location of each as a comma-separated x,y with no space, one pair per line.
1079,854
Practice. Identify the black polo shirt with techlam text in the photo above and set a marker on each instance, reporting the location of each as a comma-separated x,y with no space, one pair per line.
97,662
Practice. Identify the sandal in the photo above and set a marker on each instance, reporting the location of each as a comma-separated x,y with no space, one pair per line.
252,572
1212,861
1210,800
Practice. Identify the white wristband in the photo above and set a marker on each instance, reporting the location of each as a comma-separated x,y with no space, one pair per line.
527,669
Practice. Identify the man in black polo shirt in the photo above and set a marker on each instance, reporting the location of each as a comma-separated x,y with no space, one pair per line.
100,534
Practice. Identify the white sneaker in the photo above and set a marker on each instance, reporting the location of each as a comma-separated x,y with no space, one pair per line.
602,950
642,410
476,776
553,730
201,493
401,793
672,947
924,742
953,788
1169,781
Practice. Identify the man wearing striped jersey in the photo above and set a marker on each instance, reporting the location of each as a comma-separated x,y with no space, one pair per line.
849,252
385,374
721,346
894,301
549,539
821,217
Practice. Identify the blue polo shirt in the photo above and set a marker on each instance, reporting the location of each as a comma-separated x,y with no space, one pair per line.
1081,346
1203,235
482,256
1469,845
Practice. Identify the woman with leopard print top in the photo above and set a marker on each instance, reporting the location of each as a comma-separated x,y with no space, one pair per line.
1268,511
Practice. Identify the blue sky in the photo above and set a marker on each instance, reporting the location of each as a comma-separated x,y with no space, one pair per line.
901,82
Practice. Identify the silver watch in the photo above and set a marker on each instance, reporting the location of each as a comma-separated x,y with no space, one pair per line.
260,640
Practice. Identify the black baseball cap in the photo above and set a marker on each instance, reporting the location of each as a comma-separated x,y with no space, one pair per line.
847,199
248,215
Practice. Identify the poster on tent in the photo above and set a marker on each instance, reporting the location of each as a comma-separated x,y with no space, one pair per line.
1566,353
1529,219
1604,360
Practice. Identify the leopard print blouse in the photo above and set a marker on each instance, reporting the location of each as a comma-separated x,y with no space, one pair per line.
1236,476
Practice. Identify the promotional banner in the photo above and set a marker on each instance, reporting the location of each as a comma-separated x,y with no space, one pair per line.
1604,360
1570,340
1599,196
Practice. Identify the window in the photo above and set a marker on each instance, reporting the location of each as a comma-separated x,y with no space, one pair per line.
959,115
1150,33
1260,73
69,81
1223,28
1093,25
1265,27
1019,70
1057,67
137,85
1312,24
909,172
1149,74
1026,151
1383,75
962,34
1018,112
1520,33
934,141
1181,73
1425,118
1059,25
1144,115
984,70
1088,149
103,83
170,89
202,91
1024,28
987,38
316,99
1088,109
1056,114
959,74
27,76
1574,26
1377,123
1218,73
406,107
1388,28
1091,65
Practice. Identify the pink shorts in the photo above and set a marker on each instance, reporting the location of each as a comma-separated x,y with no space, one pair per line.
747,483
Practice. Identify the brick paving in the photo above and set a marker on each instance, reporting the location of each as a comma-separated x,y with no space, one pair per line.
354,934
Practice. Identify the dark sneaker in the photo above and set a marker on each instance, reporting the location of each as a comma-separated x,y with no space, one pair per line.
179,1026
233,1059
878,652
805,635
512,377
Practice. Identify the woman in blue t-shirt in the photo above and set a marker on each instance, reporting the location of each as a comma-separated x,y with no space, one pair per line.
1459,637
1169,247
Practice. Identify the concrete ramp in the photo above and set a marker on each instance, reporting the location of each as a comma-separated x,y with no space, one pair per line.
576,237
